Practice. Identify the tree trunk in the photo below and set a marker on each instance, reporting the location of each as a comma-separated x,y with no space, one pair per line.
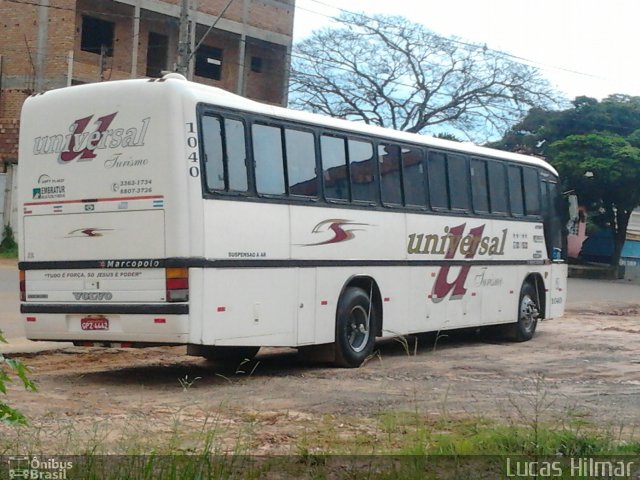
619,228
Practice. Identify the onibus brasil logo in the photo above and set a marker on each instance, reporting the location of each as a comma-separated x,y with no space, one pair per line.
450,245
38,468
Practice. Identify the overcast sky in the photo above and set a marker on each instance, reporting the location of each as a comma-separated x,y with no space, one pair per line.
584,47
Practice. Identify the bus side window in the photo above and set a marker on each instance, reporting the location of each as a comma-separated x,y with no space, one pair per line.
214,159
438,193
458,175
301,163
413,175
390,174
497,188
531,190
553,223
236,155
361,166
479,187
516,200
334,168
269,164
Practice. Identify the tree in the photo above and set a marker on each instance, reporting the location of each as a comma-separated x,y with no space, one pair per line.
389,71
596,148
612,166
8,365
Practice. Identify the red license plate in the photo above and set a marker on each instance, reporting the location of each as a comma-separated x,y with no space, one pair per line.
94,323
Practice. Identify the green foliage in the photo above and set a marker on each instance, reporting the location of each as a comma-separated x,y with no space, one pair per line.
8,246
447,136
18,369
596,148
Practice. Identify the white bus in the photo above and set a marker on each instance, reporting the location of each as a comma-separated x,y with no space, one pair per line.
165,212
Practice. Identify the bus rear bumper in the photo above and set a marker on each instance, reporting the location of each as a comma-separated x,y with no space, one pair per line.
107,326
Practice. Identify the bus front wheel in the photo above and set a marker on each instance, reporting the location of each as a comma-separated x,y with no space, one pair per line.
528,314
355,332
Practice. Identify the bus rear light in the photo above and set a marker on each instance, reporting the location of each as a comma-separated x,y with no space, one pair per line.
31,319
160,320
23,287
177,284
177,295
177,272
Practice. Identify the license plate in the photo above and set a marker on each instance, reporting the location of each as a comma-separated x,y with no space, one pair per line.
94,323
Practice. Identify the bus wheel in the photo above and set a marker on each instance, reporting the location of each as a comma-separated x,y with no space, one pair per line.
528,313
229,355
355,332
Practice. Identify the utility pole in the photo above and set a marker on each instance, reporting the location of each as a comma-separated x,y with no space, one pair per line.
184,40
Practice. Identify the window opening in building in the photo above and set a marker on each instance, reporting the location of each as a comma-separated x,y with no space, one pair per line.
157,53
209,62
256,64
97,35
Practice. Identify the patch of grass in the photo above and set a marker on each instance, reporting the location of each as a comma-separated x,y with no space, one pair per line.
192,443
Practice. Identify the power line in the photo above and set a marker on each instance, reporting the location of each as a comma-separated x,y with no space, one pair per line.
519,59
504,108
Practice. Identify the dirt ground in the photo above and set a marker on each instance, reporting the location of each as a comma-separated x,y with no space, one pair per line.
586,364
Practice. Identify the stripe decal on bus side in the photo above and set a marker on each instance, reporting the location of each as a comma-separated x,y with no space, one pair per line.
106,309
205,263
96,200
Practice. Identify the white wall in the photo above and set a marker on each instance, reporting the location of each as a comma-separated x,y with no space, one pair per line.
9,199
634,223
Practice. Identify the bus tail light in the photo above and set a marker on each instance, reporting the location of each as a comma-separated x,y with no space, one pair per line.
23,287
177,283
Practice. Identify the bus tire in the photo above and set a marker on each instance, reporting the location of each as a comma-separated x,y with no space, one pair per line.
528,313
230,355
355,328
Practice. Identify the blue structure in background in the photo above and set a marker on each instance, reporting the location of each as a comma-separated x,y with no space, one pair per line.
599,248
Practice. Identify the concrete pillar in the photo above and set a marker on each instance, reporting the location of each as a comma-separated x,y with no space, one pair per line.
43,39
69,68
135,40
287,73
241,84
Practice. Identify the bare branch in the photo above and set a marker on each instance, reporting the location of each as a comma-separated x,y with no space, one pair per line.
392,72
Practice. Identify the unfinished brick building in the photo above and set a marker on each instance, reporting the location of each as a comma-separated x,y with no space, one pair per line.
47,44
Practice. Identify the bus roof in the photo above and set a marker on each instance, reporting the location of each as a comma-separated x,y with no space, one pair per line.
217,96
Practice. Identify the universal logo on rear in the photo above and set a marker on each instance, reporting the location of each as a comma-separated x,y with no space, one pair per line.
81,143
